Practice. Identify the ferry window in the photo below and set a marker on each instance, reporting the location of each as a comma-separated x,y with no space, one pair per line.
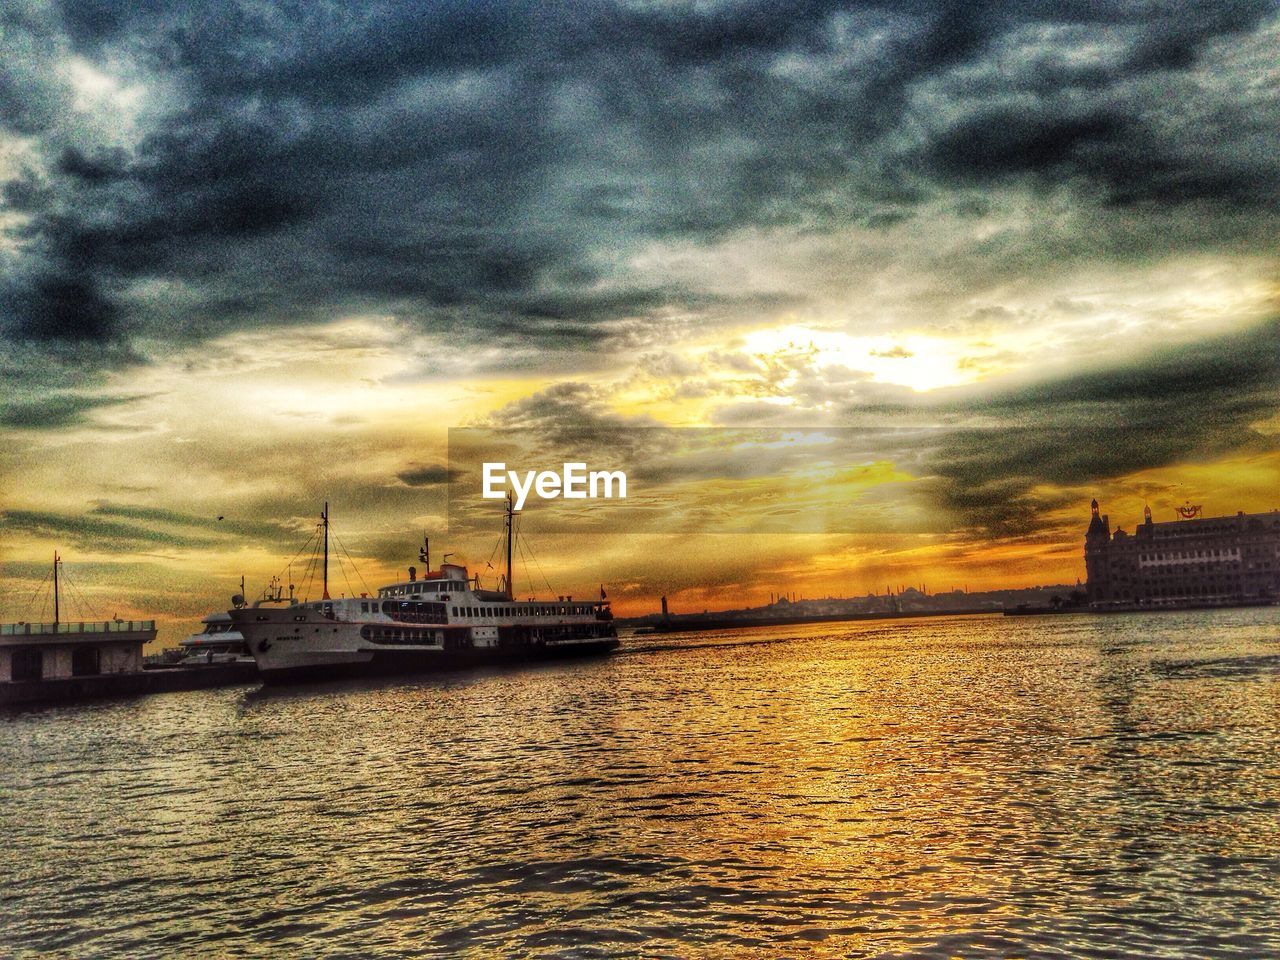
27,664
455,611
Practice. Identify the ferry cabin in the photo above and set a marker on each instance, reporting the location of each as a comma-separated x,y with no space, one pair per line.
444,610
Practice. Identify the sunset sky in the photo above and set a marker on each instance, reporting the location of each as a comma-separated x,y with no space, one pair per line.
258,255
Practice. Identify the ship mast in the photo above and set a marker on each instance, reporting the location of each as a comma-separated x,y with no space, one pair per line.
325,517
56,611
511,522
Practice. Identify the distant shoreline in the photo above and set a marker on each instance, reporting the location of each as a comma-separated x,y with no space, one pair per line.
697,622
678,623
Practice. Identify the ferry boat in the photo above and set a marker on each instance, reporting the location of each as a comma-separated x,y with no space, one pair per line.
439,621
218,642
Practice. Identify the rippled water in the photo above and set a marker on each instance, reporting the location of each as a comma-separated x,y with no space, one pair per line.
1029,787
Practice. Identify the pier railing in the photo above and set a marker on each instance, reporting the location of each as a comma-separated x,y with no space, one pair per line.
76,627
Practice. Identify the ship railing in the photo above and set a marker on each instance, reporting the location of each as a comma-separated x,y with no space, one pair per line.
75,627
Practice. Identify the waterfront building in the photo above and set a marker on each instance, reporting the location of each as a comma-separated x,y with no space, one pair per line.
45,661
1191,561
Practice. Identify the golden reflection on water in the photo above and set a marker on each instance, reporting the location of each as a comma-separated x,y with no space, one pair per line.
944,787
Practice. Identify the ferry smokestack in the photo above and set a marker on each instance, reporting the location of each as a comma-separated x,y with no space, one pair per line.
664,607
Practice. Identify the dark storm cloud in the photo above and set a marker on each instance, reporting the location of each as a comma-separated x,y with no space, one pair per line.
1191,404
55,410
113,526
91,532
431,475
492,166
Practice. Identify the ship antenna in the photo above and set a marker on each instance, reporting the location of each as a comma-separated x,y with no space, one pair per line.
56,611
325,517
511,522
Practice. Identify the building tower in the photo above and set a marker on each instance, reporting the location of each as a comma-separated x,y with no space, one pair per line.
1097,541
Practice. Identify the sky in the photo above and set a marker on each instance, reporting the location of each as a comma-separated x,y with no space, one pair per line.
254,256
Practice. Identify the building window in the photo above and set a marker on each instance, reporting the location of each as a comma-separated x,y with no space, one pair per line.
27,663
86,662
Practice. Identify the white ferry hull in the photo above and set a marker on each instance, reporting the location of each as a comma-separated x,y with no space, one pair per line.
292,644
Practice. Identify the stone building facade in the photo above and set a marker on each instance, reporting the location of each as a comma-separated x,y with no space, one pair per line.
1202,561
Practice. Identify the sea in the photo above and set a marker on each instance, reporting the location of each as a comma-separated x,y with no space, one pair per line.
1023,787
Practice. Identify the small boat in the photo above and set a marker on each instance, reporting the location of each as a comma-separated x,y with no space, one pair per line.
218,642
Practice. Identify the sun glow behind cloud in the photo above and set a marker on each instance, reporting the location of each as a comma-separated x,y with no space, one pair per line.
912,360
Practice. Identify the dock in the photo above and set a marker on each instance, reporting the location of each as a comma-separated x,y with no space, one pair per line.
85,660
